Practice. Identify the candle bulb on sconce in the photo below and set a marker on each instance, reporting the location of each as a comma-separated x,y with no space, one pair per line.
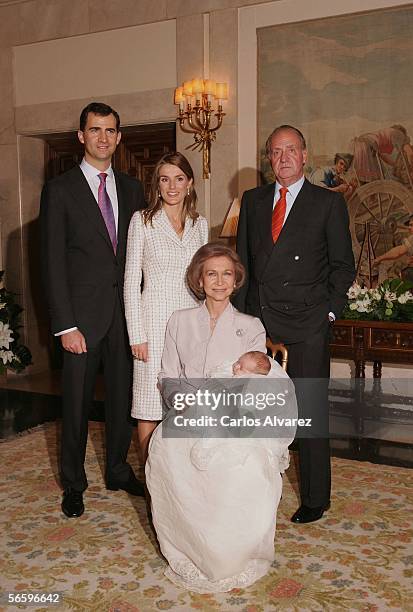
198,88
196,118
187,88
209,87
221,92
179,97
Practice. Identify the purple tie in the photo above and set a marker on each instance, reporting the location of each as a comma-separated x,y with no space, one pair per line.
106,209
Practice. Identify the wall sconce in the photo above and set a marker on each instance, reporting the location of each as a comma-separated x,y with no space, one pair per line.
195,107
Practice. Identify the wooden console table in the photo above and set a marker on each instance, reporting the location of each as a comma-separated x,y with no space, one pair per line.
375,341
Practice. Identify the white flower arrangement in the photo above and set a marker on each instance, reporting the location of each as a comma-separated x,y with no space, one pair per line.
13,355
390,301
6,335
6,356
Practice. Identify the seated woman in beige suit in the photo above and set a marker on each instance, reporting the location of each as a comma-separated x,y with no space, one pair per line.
161,242
214,501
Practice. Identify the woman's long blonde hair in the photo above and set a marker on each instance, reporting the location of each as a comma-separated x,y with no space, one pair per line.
155,200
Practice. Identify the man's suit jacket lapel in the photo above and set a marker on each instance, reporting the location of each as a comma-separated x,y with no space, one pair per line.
79,187
122,215
264,207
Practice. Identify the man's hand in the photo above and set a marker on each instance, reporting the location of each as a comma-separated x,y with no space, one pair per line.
140,351
74,342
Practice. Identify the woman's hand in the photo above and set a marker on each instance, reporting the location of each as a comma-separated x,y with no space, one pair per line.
140,351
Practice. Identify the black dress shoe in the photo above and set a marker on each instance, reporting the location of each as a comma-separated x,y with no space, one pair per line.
131,486
305,514
72,503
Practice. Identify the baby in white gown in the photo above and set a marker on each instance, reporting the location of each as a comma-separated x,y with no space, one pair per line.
215,500
251,363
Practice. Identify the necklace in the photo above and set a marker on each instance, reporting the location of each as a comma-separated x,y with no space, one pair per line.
177,226
213,320
176,222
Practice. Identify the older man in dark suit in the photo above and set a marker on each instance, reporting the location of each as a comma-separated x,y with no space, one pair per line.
85,215
294,240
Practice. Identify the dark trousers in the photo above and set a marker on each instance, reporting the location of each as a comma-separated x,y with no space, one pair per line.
79,378
309,367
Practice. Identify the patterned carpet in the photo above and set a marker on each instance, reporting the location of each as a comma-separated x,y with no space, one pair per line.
359,557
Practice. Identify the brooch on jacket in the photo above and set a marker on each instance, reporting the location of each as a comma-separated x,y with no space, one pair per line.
240,332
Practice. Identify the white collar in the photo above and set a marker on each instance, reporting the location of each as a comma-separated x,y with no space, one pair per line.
91,172
293,189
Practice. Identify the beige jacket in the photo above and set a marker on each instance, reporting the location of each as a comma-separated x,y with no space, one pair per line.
192,351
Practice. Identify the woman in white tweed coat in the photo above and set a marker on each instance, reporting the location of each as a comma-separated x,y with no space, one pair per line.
161,242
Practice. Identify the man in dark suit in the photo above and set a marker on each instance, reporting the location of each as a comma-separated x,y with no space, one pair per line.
294,241
84,216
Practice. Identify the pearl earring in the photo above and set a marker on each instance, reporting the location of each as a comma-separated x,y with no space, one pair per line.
188,192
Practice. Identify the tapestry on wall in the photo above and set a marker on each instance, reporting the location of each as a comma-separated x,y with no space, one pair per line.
347,83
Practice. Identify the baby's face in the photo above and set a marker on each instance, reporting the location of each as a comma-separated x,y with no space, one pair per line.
244,365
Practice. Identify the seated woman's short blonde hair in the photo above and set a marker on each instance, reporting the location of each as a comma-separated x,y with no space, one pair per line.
196,267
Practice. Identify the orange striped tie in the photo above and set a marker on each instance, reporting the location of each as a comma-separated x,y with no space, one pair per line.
278,214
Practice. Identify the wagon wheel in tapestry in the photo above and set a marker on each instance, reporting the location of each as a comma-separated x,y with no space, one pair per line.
377,211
